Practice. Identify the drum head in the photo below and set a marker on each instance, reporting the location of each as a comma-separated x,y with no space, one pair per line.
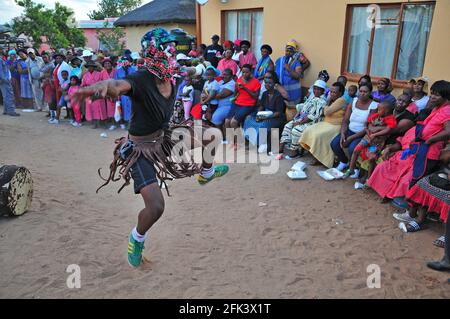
20,192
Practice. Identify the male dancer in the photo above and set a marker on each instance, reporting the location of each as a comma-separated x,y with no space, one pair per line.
146,154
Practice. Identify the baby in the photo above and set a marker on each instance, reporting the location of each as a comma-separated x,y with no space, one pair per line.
379,126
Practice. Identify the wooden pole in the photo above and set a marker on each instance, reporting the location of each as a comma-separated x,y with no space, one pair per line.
198,23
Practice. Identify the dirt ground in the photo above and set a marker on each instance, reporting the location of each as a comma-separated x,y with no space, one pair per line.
312,239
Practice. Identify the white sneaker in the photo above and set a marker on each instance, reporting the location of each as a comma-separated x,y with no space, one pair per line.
75,124
262,148
123,126
404,217
112,127
53,121
72,121
342,166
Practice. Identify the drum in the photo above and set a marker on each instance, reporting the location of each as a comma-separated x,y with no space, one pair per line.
16,190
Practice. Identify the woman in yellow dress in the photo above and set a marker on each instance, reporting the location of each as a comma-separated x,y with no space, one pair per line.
316,138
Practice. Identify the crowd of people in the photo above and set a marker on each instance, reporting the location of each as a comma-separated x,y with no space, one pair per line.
398,146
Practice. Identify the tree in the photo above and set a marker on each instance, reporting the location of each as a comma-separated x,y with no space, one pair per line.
57,25
113,8
112,39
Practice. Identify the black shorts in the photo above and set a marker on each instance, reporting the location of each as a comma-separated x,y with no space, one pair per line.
143,173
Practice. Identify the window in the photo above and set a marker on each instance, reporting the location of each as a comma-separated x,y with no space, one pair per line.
244,25
387,40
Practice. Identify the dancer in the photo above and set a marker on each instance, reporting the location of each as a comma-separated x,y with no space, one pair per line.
150,153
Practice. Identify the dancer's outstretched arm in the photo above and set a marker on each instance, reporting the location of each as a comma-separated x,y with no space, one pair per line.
103,89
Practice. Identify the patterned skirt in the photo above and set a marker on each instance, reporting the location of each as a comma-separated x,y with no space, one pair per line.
435,199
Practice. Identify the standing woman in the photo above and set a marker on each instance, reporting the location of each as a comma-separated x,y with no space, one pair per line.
15,76
26,91
109,72
289,70
95,109
265,63
247,56
353,125
60,66
237,51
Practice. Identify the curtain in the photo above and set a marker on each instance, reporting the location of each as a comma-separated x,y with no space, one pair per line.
359,41
231,31
384,43
416,29
245,20
257,36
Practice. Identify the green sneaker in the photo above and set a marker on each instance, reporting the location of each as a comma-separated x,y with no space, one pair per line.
135,249
219,171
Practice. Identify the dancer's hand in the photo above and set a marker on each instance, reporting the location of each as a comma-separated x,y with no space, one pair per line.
95,92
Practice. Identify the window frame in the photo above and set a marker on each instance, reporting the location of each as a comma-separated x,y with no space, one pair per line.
354,77
223,24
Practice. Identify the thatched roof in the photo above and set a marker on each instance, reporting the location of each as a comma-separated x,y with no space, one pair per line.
160,11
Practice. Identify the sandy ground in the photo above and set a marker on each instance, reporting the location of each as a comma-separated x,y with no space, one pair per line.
214,241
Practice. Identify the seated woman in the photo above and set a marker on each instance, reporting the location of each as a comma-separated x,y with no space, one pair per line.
315,138
308,113
383,93
271,101
278,87
405,113
430,194
392,178
245,98
430,142
353,125
228,63
224,94
419,88
379,126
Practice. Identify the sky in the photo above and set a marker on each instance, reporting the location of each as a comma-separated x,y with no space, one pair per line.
9,9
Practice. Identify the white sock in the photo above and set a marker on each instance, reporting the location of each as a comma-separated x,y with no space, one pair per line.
138,237
208,172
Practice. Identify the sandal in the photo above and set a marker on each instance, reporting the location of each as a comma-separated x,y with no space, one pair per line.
409,227
440,242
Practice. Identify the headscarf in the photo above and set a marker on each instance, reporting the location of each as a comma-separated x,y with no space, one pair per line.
292,43
11,52
160,60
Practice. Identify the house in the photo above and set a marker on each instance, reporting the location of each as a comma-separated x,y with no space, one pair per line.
169,14
90,28
398,39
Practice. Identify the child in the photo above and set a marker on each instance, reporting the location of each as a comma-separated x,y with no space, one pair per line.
380,124
207,99
187,96
74,87
63,87
352,91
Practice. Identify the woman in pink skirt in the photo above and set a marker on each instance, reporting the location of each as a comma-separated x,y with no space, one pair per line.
109,72
95,110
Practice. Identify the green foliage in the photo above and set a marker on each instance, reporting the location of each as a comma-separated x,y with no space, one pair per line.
57,25
113,8
111,39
